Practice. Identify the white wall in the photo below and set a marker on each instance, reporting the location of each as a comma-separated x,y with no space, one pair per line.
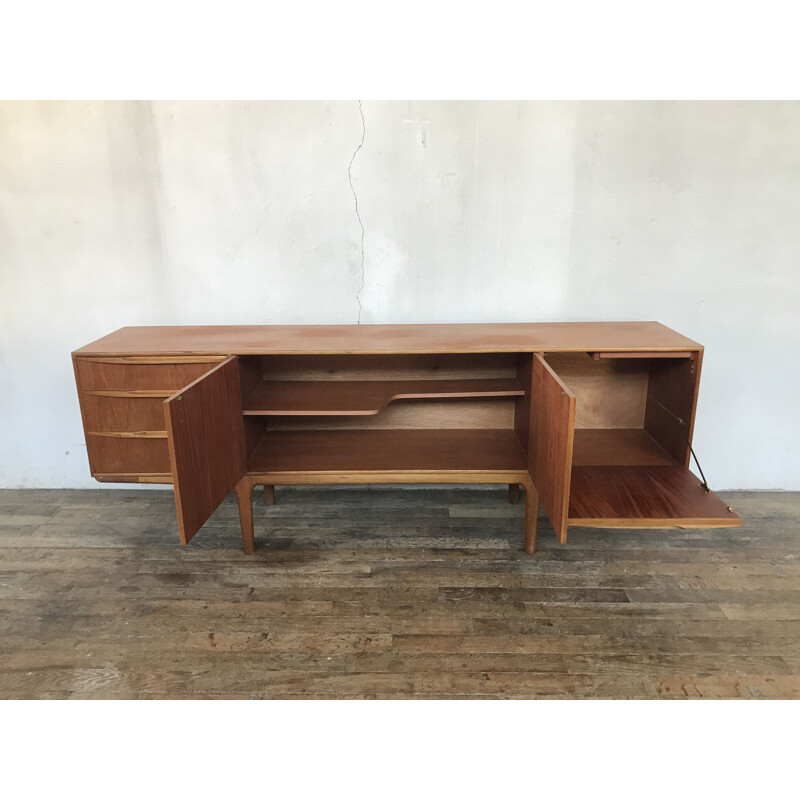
118,214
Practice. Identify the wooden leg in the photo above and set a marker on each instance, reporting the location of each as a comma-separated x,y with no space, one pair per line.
244,493
513,493
269,495
531,517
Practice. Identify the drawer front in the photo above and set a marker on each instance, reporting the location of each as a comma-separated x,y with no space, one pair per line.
152,374
117,411
116,455
122,401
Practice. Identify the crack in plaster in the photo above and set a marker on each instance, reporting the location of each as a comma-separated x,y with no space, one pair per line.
355,198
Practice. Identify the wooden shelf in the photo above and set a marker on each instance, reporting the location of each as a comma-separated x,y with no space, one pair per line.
644,496
389,450
364,398
598,447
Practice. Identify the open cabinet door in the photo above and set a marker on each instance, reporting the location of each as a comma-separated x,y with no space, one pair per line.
206,444
550,445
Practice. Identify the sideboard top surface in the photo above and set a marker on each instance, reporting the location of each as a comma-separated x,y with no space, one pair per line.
435,338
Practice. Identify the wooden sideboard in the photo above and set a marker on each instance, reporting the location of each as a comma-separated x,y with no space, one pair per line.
593,420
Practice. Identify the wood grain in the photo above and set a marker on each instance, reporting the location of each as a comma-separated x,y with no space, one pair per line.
104,413
127,477
522,405
250,377
653,496
459,413
386,366
118,374
245,487
128,434
132,393
206,360
609,394
642,354
132,456
244,496
551,441
364,398
206,444
412,402
625,447
90,452
94,604
392,451
458,338
671,402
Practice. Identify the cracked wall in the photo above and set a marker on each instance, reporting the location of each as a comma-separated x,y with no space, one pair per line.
340,212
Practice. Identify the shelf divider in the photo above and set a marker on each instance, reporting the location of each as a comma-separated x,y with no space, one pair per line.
364,398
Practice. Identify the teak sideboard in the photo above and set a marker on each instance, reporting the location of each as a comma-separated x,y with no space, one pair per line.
593,420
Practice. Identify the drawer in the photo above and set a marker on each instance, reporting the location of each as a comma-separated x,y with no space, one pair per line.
124,410
121,455
122,401
127,373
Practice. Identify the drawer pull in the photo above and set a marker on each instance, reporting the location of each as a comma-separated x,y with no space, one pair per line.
164,360
130,434
132,393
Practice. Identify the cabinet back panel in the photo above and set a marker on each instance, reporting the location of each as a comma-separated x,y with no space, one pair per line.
611,393
389,367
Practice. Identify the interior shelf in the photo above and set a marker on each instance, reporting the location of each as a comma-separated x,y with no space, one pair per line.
389,450
364,398
597,447
644,496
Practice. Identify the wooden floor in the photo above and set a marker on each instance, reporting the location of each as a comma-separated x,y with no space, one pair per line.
390,593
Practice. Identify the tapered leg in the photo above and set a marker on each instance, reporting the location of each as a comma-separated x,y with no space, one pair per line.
531,517
513,493
244,494
269,495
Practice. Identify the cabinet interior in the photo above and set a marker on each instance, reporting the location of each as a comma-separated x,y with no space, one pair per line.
623,414
432,409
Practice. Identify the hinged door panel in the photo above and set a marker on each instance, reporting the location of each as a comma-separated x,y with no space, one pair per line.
550,446
649,496
206,444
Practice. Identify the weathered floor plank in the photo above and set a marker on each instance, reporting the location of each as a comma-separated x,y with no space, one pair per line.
390,593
